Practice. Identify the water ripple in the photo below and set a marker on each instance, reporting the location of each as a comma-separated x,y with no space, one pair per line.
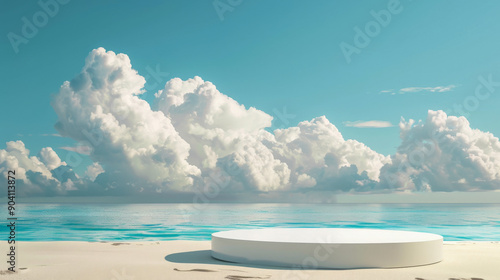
101,222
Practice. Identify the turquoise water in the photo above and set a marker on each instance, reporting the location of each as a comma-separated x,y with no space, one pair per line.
112,222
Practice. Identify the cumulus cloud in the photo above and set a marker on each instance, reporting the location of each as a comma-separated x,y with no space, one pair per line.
443,153
315,150
258,168
94,170
100,108
221,131
50,158
17,157
369,124
196,139
34,174
420,89
214,124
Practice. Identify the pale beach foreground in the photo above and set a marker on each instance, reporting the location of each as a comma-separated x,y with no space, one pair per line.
191,260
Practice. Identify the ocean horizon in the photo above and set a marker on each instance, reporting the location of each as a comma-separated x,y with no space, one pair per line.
170,221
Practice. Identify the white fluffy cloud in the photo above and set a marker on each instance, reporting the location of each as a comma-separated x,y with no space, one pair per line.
17,157
444,153
100,108
194,133
220,129
212,123
257,167
93,171
316,152
50,158
34,174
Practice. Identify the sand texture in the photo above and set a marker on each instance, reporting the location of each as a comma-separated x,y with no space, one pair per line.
191,260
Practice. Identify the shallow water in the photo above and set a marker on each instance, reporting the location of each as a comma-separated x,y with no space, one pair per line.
108,222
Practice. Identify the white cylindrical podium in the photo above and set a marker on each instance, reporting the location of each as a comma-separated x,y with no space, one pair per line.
336,248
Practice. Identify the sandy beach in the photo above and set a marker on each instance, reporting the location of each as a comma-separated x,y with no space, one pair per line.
192,260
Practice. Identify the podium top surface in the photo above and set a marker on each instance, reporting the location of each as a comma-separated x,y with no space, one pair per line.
327,235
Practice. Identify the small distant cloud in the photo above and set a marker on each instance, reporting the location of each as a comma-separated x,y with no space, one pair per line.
84,150
44,134
419,89
369,124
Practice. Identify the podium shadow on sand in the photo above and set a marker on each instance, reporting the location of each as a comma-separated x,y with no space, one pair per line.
205,257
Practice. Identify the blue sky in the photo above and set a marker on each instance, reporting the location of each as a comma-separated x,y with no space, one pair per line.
273,55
